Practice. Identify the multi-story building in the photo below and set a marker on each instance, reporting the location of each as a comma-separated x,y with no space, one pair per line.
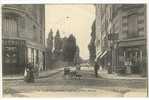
23,34
103,29
126,24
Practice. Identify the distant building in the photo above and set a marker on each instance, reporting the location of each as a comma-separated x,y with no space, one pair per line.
121,35
23,34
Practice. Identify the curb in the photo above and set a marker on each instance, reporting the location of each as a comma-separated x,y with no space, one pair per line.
38,77
49,74
104,77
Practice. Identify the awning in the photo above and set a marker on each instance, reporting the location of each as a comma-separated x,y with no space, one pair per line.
103,54
98,55
35,45
132,42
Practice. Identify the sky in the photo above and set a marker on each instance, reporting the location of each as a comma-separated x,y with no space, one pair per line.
71,19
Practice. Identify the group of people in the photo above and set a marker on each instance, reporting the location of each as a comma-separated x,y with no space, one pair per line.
29,74
127,66
96,68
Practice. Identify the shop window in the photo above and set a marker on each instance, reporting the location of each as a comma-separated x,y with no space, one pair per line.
10,55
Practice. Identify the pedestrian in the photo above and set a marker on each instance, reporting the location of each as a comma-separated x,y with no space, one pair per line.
32,77
77,68
109,68
96,67
36,71
26,73
29,73
128,66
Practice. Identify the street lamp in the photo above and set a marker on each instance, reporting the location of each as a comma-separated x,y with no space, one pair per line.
113,38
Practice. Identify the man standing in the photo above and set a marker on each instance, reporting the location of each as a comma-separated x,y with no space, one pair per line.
96,67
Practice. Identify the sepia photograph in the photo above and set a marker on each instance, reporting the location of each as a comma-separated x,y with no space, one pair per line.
74,50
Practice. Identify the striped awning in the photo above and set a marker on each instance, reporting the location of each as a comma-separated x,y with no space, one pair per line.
103,54
100,55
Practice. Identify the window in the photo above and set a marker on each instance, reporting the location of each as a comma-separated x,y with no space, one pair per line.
132,26
10,25
10,55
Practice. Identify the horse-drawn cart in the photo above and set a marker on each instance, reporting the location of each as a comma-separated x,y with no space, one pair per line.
71,73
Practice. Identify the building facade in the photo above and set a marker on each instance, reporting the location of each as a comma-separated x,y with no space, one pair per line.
23,34
103,28
121,36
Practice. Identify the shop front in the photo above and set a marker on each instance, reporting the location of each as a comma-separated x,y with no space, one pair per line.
132,54
14,56
104,60
17,53
36,57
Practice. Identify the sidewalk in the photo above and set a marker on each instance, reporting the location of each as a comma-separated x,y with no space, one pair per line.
42,74
104,74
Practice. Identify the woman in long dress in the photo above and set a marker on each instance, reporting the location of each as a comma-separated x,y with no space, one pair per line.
29,73
128,66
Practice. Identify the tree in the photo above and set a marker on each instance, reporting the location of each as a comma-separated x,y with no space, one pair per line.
69,49
64,43
57,45
50,41
77,56
91,46
49,54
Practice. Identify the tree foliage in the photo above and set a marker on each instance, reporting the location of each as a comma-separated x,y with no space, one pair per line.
57,41
57,45
91,46
69,49
77,56
50,41
49,49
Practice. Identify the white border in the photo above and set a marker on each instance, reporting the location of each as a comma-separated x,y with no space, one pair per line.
0,51
148,44
70,2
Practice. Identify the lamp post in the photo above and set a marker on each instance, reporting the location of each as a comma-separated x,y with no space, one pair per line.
113,38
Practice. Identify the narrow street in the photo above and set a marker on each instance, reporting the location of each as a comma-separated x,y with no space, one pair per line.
88,85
